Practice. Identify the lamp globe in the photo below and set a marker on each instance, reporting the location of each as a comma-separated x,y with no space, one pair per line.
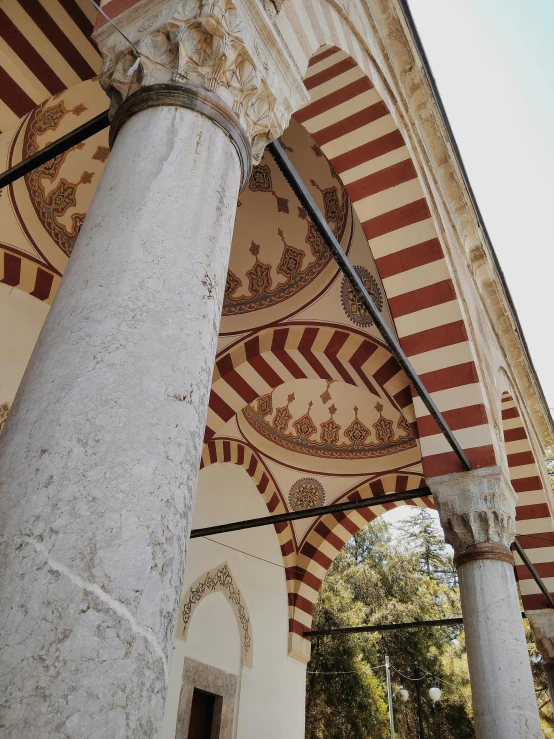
434,694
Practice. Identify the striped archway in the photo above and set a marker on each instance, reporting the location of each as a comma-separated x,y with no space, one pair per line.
357,126
328,535
237,452
307,561
291,351
534,521
28,275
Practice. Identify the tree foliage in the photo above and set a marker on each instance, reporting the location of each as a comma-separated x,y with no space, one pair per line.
388,574
382,578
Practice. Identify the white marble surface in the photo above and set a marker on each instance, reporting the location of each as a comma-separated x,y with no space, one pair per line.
475,508
100,456
502,690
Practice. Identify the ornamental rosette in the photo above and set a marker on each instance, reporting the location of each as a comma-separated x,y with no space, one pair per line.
209,43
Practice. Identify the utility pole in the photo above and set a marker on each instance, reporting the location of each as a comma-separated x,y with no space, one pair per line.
417,680
389,692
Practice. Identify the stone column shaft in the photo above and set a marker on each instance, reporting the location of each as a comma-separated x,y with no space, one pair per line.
101,452
477,511
100,455
542,623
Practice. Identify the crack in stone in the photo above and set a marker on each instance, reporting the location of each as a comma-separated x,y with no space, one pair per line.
119,608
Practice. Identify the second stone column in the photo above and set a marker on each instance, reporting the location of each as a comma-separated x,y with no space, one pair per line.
477,512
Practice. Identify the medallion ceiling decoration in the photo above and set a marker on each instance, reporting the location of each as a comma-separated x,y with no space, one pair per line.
279,262
353,307
328,438
305,494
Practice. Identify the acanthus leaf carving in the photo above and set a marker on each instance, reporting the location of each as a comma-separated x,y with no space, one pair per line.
209,43
476,507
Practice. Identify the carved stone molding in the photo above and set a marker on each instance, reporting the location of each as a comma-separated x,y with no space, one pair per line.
4,410
217,580
542,623
405,73
228,47
477,513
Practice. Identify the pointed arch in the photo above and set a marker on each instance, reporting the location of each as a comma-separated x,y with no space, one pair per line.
263,361
353,119
217,580
329,534
534,520
237,452
306,562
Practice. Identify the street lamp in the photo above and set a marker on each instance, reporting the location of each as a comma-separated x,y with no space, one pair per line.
434,695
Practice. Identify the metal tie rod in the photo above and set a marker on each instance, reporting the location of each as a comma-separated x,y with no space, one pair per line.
388,627
51,151
293,178
349,505
535,575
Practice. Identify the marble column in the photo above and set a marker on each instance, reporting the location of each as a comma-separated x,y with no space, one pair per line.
542,623
100,454
477,512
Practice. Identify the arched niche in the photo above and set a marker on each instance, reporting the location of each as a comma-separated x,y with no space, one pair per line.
217,580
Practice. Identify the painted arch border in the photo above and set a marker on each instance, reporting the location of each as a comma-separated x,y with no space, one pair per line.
535,501
309,27
218,580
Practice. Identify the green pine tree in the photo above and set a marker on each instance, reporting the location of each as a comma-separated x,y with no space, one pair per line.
422,533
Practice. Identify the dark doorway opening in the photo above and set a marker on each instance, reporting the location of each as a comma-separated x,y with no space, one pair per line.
204,715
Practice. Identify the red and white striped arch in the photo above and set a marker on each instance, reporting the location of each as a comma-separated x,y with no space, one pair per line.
534,522
46,48
290,351
241,454
28,275
353,127
306,563
361,135
328,535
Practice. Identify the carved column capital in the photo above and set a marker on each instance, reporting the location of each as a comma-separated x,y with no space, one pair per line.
228,47
542,623
477,513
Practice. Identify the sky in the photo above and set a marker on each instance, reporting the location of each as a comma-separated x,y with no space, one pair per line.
493,61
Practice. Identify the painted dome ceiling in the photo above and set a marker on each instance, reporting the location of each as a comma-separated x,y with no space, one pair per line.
279,265
326,427
317,436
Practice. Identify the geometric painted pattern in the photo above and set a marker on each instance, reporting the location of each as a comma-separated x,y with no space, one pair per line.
534,523
289,351
306,561
353,127
305,494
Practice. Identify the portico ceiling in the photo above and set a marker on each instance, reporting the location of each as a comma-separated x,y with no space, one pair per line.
290,325
281,281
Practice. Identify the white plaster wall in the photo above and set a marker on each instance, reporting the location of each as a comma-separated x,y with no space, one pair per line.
272,692
214,639
21,320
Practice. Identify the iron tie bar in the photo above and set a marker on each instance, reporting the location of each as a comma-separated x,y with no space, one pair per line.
300,190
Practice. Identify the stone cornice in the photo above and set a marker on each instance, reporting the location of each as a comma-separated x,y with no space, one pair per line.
228,47
416,102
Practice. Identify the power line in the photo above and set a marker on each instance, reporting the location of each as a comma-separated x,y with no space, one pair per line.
254,556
